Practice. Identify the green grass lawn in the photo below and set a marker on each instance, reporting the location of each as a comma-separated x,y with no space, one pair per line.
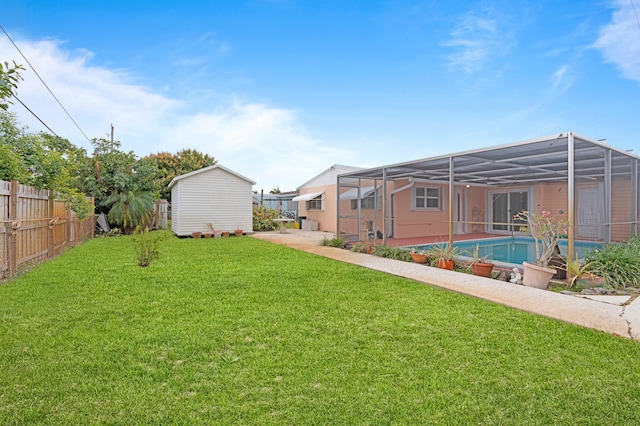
240,331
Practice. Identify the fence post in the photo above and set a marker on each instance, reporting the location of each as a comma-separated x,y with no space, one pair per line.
11,228
51,228
92,218
69,227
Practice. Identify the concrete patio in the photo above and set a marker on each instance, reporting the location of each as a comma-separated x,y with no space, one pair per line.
618,315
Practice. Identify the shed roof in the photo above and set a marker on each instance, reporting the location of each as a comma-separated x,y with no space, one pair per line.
206,169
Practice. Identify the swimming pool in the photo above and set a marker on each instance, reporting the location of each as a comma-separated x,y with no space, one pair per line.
514,249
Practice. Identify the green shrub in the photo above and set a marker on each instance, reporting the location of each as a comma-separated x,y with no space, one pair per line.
362,248
263,218
396,253
338,242
619,264
146,245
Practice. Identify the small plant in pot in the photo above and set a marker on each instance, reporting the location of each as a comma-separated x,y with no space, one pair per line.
216,234
481,265
238,232
443,255
581,273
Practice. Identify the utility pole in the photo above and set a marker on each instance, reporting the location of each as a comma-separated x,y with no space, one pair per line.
112,137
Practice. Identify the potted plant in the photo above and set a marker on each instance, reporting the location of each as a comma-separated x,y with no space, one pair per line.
581,274
546,230
238,232
481,265
216,234
225,233
419,256
196,234
443,256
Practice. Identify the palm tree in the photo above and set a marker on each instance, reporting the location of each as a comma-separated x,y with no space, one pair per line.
129,209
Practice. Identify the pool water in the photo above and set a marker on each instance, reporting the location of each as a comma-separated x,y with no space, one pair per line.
515,249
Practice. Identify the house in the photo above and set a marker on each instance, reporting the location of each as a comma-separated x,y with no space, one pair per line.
317,197
282,201
213,195
588,183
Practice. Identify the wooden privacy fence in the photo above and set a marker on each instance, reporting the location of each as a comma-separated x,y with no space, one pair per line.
34,227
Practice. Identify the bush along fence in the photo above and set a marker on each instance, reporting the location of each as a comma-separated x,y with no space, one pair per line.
34,227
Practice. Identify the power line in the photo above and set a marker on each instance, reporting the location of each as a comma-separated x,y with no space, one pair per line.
45,85
634,12
34,114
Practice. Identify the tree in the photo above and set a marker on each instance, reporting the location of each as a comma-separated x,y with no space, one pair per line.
12,165
184,161
42,161
129,209
9,78
111,171
276,190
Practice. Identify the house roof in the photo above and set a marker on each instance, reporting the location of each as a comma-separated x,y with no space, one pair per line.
526,162
206,169
329,176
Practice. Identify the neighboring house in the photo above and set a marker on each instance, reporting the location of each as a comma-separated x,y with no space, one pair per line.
282,201
586,182
213,195
317,197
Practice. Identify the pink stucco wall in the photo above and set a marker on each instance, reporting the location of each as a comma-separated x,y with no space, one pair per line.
327,216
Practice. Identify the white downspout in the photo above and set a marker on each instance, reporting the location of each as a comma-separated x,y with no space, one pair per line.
411,184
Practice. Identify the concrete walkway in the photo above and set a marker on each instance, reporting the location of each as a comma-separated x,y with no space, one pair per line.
619,315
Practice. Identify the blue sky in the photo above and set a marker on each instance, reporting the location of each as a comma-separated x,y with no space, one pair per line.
280,90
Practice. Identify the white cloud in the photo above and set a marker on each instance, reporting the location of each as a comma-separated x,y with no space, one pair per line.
476,39
266,144
94,96
561,80
619,41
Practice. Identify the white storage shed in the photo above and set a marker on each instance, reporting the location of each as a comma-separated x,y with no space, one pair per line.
214,195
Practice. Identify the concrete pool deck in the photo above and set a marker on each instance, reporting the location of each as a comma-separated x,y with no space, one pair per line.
618,315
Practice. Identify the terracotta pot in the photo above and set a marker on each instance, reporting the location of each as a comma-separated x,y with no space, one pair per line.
536,276
208,235
238,232
419,257
196,234
446,264
590,281
482,269
225,234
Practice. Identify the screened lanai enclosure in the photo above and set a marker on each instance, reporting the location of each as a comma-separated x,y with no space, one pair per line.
475,194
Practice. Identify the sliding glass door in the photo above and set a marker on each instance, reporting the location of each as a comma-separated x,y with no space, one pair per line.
504,205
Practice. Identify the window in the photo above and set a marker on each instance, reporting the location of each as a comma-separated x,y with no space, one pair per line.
368,202
315,203
427,198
